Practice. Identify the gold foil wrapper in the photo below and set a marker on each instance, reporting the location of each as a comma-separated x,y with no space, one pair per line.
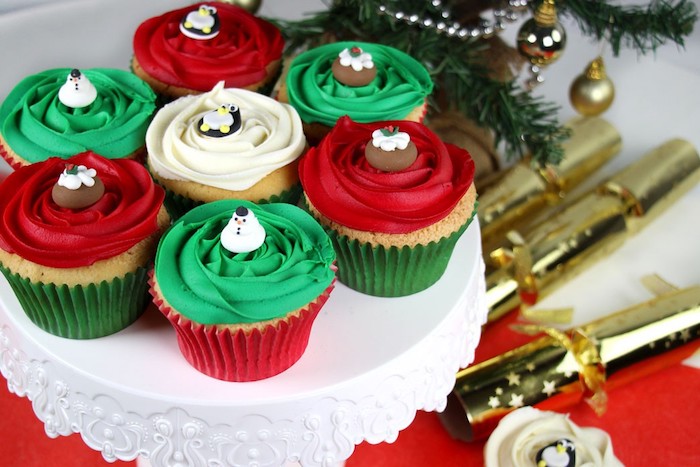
563,368
561,245
521,191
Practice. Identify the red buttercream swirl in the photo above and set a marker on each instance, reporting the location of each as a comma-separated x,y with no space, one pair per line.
340,183
238,55
33,226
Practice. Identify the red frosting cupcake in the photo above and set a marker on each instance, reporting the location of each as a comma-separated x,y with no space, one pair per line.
189,50
394,225
76,251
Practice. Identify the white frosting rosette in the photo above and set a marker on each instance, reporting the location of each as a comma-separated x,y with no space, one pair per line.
521,434
271,136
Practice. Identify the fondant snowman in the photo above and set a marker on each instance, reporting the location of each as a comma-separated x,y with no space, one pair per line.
243,233
561,453
224,121
77,91
202,23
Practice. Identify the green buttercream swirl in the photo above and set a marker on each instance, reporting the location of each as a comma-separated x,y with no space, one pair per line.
401,85
36,125
210,285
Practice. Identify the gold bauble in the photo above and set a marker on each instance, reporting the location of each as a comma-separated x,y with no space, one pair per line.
541,39
251,6
592,92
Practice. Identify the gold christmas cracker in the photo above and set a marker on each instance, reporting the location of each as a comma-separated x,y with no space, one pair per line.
562,368
522,190
548,252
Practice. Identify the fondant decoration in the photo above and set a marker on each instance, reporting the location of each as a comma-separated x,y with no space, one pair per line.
77,91
390,150
243,233
202,23
77,187
354,67
561,453
224,121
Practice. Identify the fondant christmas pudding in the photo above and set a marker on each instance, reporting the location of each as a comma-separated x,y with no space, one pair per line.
394,199
242,285
63,112
188,50
76,240
368,82
226,143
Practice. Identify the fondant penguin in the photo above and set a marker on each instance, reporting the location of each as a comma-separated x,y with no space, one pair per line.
243,233
561,453
202,23
224,121
77,91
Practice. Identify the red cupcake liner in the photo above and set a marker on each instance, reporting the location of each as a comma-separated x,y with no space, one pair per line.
240,356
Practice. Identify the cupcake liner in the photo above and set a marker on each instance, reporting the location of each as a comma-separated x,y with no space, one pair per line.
12,162
178,205
82,311
231,354
393,271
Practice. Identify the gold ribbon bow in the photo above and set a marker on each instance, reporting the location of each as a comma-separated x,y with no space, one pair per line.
591,368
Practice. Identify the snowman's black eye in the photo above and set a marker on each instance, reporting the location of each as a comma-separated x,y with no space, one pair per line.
244,220
235,218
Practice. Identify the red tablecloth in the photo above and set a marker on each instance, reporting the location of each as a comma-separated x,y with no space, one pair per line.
653,416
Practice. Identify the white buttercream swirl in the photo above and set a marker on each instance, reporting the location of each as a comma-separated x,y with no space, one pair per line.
271,137
523,432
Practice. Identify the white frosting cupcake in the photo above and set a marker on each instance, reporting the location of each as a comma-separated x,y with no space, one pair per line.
270,137
528,434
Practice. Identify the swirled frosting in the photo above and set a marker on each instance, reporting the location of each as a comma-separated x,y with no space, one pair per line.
239,54
271,136
210,285
34,227
523,432
401,85
36,125
344,187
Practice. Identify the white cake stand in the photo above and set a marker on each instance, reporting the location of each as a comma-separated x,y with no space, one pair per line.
370,365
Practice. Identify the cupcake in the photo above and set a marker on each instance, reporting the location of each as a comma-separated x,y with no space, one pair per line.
242,284
529,436
189,50
225,144
76,240
63,112
367,82
394,200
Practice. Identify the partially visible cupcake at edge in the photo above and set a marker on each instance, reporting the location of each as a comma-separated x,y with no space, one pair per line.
394,198
77,237
190,49
366,81
226,143
63,111
532,437
242,285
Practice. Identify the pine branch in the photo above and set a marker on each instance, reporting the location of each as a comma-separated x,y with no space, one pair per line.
639,27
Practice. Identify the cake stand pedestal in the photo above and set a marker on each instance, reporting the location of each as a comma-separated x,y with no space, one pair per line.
370,365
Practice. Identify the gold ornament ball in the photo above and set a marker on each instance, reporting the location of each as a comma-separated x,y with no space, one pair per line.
541,39
592,92
541,45
251,6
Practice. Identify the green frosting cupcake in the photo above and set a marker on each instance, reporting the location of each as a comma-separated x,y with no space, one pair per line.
209,284
36,124
401,85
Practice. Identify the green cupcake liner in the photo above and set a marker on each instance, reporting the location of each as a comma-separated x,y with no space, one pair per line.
82,312
178,205
393,271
